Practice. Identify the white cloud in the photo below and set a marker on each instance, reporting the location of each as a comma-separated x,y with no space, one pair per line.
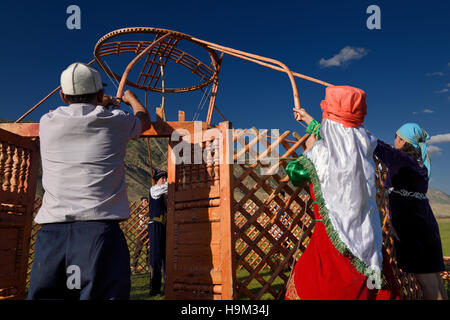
433,150
439,138
346,54
423,111
431,74
441,91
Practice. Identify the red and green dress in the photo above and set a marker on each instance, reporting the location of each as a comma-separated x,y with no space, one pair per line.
328,270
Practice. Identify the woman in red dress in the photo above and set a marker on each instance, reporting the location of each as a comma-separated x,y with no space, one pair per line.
344,258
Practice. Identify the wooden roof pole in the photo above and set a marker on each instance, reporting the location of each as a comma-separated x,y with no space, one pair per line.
149,151
163,97
43,100
267,62
215,87
296,74
256,58
259,60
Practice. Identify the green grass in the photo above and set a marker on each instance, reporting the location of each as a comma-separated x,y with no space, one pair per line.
140,283
444,230
140,287
255,286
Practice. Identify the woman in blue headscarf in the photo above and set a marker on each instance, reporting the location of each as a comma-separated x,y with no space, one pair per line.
417,242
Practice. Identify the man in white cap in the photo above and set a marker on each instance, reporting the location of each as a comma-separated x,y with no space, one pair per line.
80,251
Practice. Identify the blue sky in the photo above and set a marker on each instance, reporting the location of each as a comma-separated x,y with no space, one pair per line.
404,67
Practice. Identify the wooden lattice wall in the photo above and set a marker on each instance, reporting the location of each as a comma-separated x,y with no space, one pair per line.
271,214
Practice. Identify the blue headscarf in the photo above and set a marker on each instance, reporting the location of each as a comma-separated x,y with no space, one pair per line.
415,135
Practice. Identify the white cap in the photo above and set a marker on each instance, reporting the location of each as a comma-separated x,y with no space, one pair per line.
79,79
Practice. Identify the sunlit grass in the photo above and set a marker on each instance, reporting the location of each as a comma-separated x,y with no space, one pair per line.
140,285
444,230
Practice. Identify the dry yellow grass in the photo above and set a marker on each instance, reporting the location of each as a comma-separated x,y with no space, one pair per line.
441,210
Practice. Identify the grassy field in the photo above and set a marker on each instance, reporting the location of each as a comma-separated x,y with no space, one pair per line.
140,283
444,229
140,286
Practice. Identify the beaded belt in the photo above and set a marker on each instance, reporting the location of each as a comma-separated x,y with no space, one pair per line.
405,193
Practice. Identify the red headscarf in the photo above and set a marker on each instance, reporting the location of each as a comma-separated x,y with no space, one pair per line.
344,104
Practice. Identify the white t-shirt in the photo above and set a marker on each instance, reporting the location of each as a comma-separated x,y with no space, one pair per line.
82,150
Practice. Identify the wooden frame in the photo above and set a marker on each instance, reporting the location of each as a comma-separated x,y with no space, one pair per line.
273,230
19,158
199,255
157,128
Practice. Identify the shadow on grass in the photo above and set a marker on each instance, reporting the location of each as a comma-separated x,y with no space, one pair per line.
255,286
140,287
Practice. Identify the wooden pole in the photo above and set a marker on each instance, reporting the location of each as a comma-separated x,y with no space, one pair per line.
215,87
254,58
148,146
163,99
43,100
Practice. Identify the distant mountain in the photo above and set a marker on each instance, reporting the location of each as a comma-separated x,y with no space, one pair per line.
137,165
440,203
438,196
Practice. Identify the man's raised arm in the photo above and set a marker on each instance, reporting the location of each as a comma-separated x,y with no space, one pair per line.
138,109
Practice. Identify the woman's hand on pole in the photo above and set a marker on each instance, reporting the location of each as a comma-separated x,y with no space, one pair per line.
302,115
310,141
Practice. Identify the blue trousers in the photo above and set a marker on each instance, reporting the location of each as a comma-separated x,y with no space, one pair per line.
157,254
86,260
